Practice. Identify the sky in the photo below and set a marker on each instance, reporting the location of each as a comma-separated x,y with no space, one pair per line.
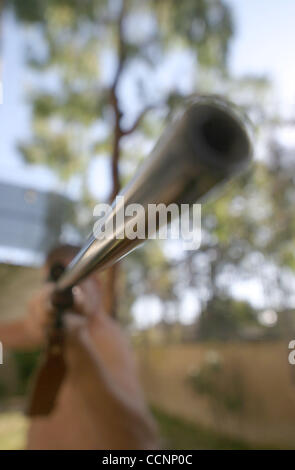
263,45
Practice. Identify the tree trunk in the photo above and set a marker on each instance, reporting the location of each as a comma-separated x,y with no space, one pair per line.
113,272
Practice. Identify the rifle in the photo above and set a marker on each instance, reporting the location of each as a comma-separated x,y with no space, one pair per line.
205,147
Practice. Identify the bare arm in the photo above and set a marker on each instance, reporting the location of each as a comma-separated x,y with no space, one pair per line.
102,374
102,369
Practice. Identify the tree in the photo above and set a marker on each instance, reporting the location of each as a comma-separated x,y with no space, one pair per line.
69,48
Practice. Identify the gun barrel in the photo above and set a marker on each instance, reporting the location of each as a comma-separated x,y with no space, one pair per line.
206,146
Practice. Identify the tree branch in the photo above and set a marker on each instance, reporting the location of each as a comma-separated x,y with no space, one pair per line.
120,47
138,120
115,102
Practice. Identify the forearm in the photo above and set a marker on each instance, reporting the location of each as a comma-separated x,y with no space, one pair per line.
15,335
127,423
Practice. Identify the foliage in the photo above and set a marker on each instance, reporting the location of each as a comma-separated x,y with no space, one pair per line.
26,362
179,433
74,39
83,57
224,387
224,319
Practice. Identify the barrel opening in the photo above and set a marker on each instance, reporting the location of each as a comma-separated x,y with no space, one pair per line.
219,132
223,135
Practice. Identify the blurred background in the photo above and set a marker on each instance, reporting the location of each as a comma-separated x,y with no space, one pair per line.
87,88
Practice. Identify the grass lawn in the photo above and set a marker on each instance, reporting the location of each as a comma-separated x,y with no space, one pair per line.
176,433
181,434
13,427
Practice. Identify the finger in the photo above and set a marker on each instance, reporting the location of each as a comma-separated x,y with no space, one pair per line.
85,301
76,329
80,301
74,322
40,306
92,295
46,298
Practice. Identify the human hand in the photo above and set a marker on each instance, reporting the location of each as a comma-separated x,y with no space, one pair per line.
41,312
39,315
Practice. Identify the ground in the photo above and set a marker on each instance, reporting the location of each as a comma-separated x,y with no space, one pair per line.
13,427
176,433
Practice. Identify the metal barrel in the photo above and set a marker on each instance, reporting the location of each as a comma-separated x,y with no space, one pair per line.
204,147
